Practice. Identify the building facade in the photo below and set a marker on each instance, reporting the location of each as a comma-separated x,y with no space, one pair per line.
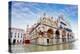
27,37
17,36
50,31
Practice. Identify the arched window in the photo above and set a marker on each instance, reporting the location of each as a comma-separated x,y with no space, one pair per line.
18,35
21,35
15,35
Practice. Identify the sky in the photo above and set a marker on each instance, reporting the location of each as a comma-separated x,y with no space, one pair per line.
27,13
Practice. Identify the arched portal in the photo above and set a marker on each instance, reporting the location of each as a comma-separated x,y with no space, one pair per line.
57,34
50,33
14,41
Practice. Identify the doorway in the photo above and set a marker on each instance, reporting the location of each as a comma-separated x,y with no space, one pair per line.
50,33
14,41
47,40
57,34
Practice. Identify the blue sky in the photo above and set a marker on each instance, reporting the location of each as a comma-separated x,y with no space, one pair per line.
24,13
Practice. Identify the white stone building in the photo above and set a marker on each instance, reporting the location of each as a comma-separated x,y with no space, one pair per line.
27,36
50,31
16,36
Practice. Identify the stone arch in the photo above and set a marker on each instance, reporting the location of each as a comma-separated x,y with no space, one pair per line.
57,34
50,32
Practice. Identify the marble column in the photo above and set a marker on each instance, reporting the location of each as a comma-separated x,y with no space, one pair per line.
54,39
66,36
60,40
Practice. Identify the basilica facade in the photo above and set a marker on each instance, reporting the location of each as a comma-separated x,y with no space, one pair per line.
49,30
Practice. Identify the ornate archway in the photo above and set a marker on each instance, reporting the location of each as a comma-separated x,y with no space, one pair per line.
50,33
57,34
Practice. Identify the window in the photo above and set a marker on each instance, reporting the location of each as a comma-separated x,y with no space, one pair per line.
21,35
15,34
18,35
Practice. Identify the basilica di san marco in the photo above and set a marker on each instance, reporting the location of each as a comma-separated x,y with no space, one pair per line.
49,31
47,34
